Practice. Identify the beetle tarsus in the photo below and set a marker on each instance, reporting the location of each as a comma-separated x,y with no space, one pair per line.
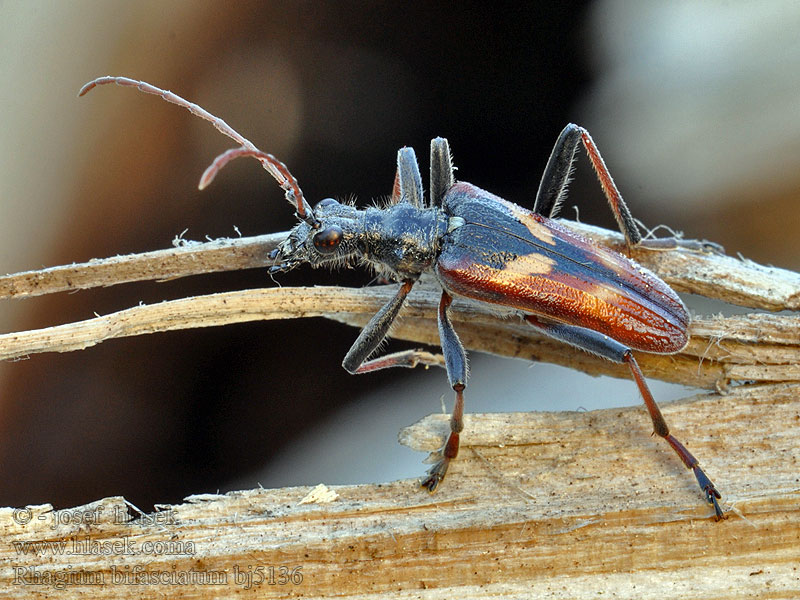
710,491
435,475
450,449
712,495
671,243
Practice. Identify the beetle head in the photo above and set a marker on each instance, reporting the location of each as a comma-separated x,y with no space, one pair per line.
331,239
326,234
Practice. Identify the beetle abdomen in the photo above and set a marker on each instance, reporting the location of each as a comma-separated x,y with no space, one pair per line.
506,255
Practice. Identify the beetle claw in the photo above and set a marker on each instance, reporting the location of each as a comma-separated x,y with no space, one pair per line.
710,491
711,497
435,475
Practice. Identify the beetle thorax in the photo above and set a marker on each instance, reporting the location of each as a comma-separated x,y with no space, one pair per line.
401,240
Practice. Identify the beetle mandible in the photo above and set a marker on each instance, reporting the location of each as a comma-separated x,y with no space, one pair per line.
484,248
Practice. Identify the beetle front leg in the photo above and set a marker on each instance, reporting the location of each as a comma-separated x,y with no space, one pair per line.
597,343
356,363
407,180
455,359
373,333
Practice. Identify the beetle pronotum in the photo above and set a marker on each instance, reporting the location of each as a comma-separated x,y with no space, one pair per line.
481,247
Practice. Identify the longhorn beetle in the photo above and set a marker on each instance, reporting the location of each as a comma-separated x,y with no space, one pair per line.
487,249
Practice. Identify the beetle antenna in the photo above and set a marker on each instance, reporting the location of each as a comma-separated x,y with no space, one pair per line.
193,108
275,168
272,165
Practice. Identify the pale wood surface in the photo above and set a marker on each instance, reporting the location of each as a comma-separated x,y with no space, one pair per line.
561,505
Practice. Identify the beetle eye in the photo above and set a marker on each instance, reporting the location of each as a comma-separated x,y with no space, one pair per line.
325,202
327,240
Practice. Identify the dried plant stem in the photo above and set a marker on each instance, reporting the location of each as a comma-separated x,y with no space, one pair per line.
756,347
711,275
547,495
189,258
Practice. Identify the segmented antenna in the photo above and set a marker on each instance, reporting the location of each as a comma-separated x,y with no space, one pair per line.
281,173
272,165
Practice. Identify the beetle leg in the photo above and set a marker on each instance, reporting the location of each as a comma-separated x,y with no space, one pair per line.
407,180
671,243
553,187
456,363
660,427
442,178
374,332
557,174
455,360
406,358
602,345
621,213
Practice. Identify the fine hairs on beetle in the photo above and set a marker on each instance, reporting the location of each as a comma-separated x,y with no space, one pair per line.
484,248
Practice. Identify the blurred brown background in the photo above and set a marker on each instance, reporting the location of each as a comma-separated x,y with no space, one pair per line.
696,109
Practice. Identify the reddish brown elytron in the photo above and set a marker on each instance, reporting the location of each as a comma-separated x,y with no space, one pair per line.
559,274
482,247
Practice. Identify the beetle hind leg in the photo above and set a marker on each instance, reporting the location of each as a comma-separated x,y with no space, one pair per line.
558,172
660,427
597,343
553,187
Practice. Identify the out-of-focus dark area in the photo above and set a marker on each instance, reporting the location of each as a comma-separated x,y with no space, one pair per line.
697,112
